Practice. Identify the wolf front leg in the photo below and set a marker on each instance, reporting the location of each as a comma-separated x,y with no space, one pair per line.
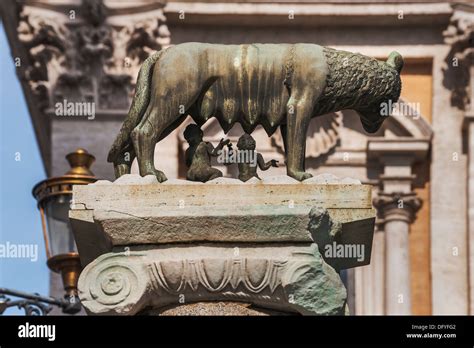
298,111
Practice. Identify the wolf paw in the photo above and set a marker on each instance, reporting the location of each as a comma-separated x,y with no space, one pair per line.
300,176
160,176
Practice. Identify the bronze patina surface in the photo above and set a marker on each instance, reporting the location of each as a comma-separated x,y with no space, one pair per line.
273,85
198,155
247,169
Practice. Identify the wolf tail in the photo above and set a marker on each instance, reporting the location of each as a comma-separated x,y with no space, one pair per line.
140,102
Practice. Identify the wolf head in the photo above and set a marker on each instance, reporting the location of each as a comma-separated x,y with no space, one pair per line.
384,93
361,83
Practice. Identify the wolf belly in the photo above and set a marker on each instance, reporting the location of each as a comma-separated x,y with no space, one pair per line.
246,88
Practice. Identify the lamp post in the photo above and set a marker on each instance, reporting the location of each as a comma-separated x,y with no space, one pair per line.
54,197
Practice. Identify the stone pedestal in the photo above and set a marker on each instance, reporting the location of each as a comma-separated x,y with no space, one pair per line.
276,244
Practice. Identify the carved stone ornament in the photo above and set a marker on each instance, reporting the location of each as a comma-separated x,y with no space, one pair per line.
292,279
460,36
87,53
397,206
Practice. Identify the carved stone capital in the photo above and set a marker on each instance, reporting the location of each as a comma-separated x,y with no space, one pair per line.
291,279
89,52
397,206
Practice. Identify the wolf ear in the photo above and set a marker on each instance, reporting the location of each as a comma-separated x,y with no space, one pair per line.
395,60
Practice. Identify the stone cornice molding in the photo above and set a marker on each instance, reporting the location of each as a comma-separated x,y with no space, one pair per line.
411,149
307,14
409,119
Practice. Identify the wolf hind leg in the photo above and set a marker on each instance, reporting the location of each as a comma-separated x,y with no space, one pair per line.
156,124
144,139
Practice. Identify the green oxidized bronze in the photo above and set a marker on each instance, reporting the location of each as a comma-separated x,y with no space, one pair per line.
273,85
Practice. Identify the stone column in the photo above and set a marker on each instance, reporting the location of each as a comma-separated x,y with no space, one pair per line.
398,211
370,299
378,269
397,205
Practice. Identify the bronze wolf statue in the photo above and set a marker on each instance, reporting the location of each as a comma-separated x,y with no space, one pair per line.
273,85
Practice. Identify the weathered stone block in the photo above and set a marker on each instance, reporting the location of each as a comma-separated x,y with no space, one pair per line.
275,244
183,212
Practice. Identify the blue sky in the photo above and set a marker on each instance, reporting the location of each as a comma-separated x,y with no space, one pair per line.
19,218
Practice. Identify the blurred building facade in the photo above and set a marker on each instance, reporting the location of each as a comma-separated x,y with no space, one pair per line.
421,162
